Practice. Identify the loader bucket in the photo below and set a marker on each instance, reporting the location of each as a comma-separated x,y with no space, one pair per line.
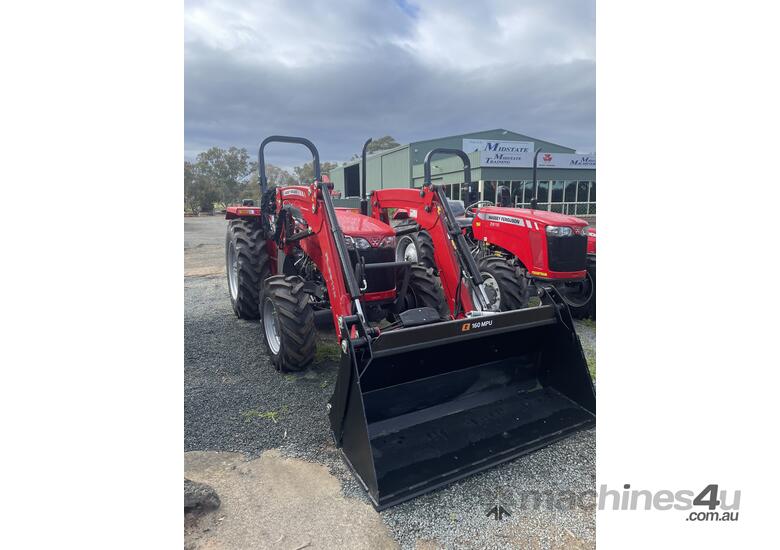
429,405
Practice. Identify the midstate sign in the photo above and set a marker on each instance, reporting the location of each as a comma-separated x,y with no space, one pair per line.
514,154
520,154
566,160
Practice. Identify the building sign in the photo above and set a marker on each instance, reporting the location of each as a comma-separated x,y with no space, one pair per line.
566,160
507,154
520,154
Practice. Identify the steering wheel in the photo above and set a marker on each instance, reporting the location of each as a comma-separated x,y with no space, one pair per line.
472,208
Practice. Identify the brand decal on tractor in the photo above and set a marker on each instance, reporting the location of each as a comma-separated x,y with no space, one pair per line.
502,219
293,192
476,325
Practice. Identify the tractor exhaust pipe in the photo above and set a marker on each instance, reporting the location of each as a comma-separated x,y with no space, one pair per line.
365,204
363,170
533,195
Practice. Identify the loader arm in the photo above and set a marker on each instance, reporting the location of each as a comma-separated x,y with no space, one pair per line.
425,207
320,241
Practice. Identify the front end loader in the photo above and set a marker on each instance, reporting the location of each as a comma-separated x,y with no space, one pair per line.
427,391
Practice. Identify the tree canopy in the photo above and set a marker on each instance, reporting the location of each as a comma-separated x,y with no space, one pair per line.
379,144
226,176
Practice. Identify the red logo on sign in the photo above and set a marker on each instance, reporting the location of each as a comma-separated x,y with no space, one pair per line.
547,157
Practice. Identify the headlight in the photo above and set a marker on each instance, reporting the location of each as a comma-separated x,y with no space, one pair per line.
559,231
357,242
387,242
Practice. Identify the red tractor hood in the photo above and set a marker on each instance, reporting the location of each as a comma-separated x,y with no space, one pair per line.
355,224
539,216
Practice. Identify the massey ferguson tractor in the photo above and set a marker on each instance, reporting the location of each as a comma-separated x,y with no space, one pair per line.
516,248
431,386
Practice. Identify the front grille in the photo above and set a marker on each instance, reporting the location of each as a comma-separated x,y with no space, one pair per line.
567,253
377,279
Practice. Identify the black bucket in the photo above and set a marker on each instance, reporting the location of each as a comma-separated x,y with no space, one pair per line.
433,404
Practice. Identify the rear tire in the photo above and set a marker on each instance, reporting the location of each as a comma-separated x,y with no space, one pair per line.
247,265
288,323
425,290
505,283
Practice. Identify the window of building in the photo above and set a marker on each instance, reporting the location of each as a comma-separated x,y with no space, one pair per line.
582,191
557,192
542,191
489,191
570,191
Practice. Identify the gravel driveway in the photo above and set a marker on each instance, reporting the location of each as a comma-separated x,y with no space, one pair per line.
235,401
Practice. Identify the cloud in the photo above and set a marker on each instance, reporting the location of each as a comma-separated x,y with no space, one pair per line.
338,72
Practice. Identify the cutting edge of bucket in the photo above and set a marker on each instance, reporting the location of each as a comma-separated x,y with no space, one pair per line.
393,500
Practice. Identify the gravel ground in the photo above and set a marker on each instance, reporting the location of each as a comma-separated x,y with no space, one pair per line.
235,401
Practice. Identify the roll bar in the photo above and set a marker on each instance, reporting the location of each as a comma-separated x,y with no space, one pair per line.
442,151
285,139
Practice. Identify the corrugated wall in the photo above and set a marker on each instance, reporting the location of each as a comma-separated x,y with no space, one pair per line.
396,171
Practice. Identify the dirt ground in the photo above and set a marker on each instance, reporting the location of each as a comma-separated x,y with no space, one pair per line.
261,440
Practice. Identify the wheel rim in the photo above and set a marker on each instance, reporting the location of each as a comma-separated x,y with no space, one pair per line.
232,269
406,251
493,291
577,294
270,327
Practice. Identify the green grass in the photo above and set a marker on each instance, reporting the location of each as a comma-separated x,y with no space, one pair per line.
590,357
590,323
327,351
254,413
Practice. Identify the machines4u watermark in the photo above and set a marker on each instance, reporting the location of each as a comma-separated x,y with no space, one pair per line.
710,503
707,504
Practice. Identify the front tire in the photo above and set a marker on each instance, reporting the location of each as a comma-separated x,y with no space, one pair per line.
581,296
417,248
288,323
425,290
247,265
505,283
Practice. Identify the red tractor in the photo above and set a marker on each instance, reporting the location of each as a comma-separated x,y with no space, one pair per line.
516,248
431,385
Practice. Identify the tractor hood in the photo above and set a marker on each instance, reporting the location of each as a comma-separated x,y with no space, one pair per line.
538,216
355,224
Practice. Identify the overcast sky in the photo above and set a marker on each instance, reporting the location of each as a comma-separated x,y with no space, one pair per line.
341,71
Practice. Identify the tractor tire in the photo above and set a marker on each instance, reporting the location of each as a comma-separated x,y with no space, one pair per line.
288,323
425,250
425,290
582,305
417,248
505,283
247,267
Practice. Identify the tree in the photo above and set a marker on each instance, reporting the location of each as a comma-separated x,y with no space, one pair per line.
227,172
199,194
379,144
305,173
276,177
